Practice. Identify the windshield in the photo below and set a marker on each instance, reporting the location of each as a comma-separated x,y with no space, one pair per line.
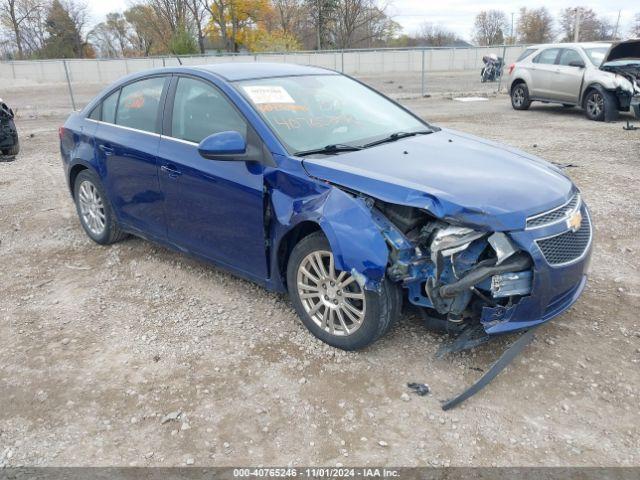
596,55
313,111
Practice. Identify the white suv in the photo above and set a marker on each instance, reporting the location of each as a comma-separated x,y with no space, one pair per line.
603,78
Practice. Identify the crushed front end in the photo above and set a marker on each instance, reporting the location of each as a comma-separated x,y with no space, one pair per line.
504,281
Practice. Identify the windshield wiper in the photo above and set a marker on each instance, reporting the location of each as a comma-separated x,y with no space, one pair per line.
396,136
334,148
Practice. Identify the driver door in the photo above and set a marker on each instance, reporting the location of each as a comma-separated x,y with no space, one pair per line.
566,83
213,208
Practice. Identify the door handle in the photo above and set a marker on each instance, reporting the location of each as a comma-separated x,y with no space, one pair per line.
172,171
106,149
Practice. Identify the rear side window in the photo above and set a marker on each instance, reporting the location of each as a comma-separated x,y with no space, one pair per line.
525,54
547,57
139,103
109,107
200,110
569,55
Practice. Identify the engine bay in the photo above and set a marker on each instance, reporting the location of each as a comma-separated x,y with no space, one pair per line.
454,271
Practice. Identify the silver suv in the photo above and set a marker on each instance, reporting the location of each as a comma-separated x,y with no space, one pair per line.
602,78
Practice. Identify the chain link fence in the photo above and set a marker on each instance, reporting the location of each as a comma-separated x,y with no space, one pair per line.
55,87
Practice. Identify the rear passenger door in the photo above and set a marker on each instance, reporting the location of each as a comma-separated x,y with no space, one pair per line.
127,140
566,83
213,207
542,72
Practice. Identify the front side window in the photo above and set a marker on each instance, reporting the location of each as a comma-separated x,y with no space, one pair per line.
200,110
547,57
596,55
313,111
569,55
139,103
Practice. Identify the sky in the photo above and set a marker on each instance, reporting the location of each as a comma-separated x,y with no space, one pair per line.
455,15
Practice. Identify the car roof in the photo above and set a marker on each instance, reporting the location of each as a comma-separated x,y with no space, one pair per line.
579,44
252,70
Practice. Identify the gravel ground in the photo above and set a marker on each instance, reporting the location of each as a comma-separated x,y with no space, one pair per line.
136,355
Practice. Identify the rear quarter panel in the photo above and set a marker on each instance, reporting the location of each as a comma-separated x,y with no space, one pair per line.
520,72
77,145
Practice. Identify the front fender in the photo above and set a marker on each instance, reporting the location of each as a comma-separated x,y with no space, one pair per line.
356,240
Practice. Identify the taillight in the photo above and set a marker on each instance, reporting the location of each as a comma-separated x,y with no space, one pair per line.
61,132
511,67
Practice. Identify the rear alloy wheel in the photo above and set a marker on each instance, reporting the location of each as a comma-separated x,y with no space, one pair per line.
94,209
520,97
331,303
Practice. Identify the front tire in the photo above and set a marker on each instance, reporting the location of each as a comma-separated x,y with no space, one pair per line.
600,106
520,97
94,209
331,303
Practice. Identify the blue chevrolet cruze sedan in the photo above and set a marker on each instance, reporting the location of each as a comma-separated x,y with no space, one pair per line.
305,180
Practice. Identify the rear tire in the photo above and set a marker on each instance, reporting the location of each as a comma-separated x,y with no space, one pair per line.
520,97
94,209
313,299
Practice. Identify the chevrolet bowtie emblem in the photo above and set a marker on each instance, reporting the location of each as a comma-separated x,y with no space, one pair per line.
574,221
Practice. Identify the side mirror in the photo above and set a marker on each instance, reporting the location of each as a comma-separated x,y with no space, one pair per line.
223,146
577,63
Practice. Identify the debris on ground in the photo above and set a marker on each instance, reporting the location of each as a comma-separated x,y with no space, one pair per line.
171,417
421,389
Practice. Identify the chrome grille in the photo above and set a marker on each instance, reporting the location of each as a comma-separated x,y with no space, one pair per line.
555,215
568,246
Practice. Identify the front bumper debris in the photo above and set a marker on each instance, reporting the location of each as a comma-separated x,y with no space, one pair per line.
505,359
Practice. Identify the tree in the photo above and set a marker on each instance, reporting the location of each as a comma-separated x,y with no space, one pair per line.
289,15
591,27
355,21
635,28
489,27
112,37
274,41
144,36
435,35
234,21
15,15
199,12
64,24
321,16
173,24
535,25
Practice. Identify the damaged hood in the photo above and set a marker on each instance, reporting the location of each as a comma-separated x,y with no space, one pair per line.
455,176
629,50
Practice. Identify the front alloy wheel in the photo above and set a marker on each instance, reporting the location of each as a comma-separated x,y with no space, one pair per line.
334,301
331,303
595,105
